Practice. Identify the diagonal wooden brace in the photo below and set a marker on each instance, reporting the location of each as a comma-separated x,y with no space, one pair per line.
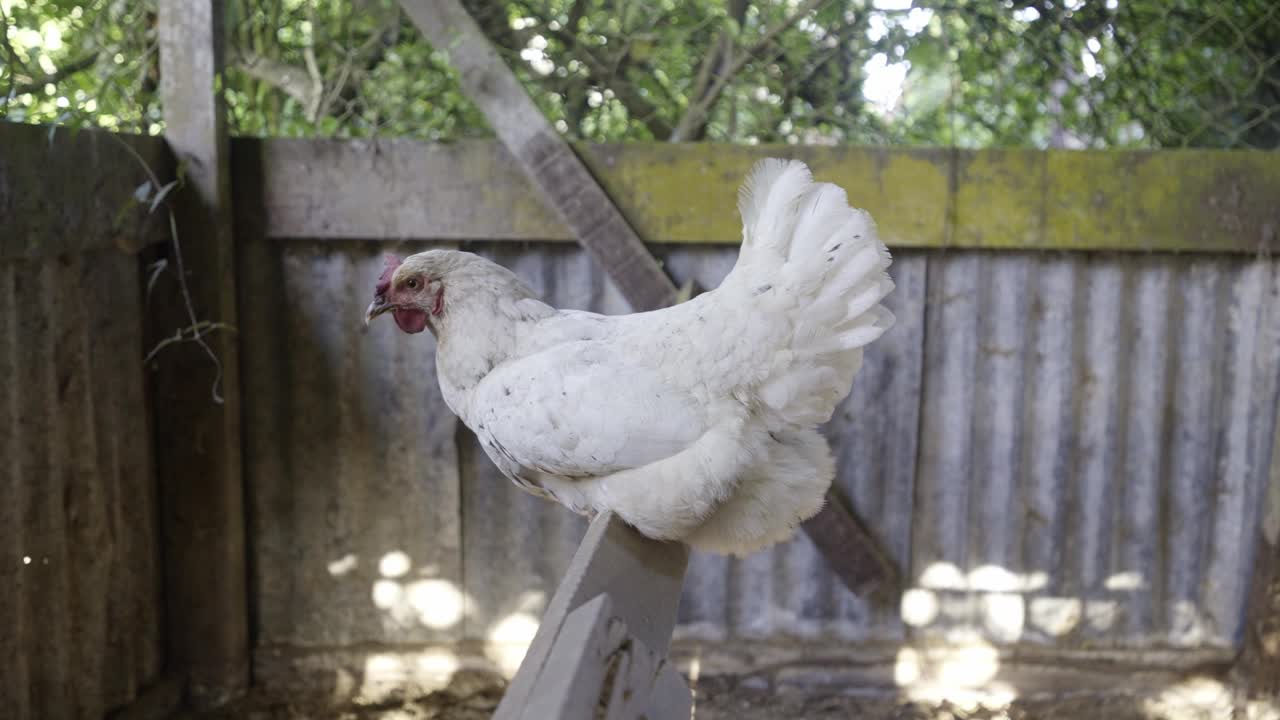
853,553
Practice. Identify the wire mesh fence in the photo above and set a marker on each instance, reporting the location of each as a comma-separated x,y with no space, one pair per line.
969,73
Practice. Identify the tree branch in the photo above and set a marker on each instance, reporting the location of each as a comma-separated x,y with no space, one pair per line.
36,84
699,109
313,70
713,65
599,73
306,83
294,81
12,54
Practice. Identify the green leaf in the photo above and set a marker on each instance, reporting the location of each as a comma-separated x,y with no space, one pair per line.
162,194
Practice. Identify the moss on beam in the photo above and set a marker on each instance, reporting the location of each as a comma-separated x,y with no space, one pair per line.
1179,200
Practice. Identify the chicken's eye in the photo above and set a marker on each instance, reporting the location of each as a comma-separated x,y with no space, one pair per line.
412,284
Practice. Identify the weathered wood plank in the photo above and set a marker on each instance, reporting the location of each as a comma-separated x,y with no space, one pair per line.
642,576
646,685
1258,666
198,436
134,625
16,296
670,696
69,191
157,702
1259,661
854,554
596,666
1193,200
80,620
573,678
566,184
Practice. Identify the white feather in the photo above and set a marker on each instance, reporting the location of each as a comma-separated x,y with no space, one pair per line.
693,423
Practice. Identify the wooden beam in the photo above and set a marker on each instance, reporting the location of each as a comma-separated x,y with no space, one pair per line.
160,701
595,221
598,670
42,168
571,681
853,553
565,183
1258,665
197,435
1181,201
643,578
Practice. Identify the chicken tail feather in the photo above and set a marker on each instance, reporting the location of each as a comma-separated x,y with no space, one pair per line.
816,267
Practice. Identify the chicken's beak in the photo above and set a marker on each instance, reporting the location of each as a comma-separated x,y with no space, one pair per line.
376,308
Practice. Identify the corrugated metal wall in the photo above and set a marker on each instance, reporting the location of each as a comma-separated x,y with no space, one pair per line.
80,606
1061,449
1095,443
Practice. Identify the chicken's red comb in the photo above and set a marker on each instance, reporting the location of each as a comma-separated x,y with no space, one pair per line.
389,264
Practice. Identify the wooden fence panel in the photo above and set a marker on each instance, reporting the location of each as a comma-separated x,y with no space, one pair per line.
80,599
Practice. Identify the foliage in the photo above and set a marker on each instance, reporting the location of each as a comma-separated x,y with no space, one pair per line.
64,60
1163,73
1068,73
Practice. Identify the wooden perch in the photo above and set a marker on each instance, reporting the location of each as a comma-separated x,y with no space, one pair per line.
642,579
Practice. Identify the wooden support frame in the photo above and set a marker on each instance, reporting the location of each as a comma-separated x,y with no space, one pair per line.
1203,201
1257,668
615,574
856,556
197,434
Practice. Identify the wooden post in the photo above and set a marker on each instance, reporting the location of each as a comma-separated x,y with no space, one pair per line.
856,556
1258,666
642,578
197,437
598,669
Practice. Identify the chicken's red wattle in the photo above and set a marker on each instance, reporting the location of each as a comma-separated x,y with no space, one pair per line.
410,320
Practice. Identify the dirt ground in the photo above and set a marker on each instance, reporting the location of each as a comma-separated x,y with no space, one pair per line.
473,695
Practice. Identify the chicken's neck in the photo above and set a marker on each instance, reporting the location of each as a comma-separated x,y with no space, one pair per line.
475,333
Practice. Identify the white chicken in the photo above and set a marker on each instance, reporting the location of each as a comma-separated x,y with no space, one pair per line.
695,423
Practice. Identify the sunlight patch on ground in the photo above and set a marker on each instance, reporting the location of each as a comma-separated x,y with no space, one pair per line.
963,675
1197,697
409,673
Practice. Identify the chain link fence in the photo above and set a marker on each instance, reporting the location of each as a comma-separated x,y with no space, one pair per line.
969,73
